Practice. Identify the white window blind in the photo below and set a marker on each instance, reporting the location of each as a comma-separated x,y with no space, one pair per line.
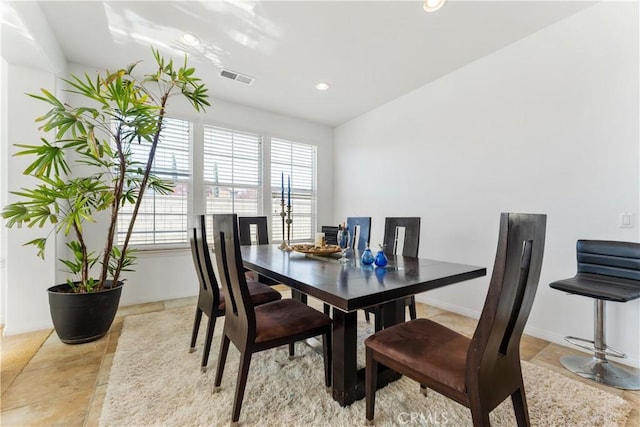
297,161
232,171
162,218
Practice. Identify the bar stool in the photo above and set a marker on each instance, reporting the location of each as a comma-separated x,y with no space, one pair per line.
607,271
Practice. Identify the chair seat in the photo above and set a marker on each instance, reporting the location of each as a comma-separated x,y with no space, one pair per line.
286,317
431,350
598,286
260,294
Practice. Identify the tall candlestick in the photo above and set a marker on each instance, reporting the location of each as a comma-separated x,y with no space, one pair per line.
289,191
283,215
282,186
289,221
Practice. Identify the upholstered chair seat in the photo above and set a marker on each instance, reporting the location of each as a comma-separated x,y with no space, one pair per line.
432,350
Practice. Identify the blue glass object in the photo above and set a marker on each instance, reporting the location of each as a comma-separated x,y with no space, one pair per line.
367,256
381,259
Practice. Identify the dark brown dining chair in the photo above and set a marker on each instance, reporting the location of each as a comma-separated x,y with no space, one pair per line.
392,226
256,328
411,227
330,234
245,224
210,301
359,227
261,234
480,372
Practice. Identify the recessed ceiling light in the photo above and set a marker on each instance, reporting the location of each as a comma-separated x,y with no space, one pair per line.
323,86
432,5
190,39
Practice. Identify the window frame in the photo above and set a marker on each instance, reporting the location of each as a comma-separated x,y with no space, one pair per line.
260,202
196,203
189,181
312,192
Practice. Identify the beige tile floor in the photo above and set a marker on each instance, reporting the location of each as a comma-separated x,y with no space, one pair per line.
48,383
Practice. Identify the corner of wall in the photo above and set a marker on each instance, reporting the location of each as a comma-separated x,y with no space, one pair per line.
3,188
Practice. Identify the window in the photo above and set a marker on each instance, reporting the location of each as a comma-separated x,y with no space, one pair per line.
162,218
297,162
233,179
232,171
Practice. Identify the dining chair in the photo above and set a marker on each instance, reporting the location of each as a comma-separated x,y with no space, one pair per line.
392,240
330,234
257,328
262,238
392,227
480,372
261,235
360,230
210,301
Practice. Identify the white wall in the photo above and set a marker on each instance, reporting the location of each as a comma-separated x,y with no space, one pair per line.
548,125
25,298
3,188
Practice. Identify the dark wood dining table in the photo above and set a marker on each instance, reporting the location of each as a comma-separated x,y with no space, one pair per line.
349,287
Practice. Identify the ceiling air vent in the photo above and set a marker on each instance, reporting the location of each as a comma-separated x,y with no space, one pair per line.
242,78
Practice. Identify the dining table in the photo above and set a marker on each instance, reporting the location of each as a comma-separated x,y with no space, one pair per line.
351,286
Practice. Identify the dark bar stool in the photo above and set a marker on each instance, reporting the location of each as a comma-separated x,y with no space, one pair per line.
607,271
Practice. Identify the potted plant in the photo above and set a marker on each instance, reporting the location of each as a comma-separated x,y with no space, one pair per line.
87,173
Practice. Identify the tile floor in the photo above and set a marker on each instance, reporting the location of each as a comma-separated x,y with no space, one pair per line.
47,383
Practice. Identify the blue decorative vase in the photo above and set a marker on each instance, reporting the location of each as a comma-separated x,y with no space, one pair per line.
381,259
367,257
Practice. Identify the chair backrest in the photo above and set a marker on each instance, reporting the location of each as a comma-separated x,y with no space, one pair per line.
493,359
330,234
240,321
411,227
262,232
360,227
609,258
209,295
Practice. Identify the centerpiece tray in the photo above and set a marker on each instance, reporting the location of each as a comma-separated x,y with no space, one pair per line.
311,249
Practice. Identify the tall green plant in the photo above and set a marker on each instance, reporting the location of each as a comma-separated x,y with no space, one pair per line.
122,111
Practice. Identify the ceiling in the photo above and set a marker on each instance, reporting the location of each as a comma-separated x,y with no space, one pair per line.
370,52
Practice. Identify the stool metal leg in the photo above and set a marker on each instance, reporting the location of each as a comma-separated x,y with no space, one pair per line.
597,367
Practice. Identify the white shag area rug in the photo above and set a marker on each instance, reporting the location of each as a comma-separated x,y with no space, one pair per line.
155,381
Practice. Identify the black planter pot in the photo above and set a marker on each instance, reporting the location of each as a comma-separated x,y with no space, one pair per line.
80,318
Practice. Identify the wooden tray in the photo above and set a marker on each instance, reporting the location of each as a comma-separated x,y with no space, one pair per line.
309,248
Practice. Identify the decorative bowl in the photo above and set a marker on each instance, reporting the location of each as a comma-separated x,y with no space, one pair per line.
311,249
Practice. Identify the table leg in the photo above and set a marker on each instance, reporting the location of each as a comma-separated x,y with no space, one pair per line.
345,373
392,313
348,380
